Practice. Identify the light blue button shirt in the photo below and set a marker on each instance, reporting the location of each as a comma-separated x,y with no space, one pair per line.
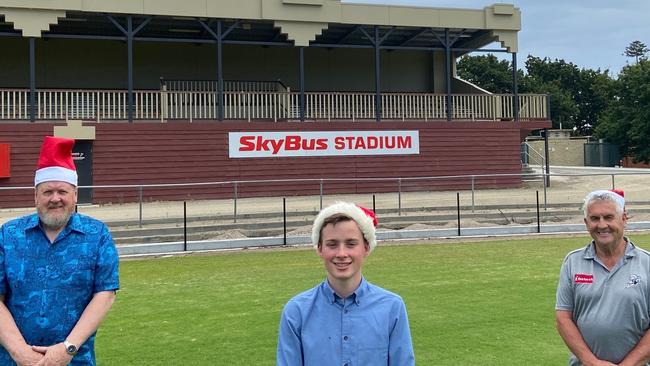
369,327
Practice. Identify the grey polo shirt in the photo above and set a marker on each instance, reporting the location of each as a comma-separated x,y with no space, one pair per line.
611,309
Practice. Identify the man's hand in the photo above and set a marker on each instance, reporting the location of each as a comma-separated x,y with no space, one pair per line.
53,355
27,357
600,363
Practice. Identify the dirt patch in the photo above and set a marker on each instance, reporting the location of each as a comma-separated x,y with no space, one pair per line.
420,227
301,231
229,234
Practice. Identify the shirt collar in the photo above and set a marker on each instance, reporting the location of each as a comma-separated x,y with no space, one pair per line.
32,221
590,251
74,224
355,296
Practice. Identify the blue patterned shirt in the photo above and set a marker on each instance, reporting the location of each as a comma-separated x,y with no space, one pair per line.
47,286
369,327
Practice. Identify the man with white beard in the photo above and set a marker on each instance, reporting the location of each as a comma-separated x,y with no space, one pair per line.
58,271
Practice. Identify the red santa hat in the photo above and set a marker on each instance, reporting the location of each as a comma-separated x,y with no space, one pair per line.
365,219
55,161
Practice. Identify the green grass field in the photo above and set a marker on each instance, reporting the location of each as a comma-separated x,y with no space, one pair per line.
484,303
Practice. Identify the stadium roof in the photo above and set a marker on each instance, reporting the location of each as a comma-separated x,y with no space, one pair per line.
316,23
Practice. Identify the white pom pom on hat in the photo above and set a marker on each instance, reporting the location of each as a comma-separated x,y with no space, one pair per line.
365,219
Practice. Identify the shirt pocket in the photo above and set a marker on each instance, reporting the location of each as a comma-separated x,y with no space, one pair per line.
375,356
77,273
19,274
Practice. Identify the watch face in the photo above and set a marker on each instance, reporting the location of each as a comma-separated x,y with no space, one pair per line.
71,349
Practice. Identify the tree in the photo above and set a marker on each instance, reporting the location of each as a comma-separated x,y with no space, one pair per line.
487,72
636,49
578,96
627,120
555,78
592,96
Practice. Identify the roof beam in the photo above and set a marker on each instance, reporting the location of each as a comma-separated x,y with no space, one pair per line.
348,34
415,35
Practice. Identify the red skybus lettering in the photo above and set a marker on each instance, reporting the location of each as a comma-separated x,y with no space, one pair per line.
292,143
246,143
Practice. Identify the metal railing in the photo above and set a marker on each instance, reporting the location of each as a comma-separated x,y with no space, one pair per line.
533,157
267,86
55,104
406,210
401,186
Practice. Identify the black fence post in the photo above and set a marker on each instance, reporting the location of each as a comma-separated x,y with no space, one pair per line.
374,207
539,228
284,218
184,226
140,206
458,210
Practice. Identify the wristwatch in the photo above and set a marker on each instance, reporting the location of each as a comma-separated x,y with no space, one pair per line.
70,348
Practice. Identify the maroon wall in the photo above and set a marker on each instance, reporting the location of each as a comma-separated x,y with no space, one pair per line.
181,152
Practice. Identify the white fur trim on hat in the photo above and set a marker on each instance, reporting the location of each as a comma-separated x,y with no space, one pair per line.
352,211
55,173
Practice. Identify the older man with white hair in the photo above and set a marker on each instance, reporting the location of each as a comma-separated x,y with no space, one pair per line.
603,295
58,271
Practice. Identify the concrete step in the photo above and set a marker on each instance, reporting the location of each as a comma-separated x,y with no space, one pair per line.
530,175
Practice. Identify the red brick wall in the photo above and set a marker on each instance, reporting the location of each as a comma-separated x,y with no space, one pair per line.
181,152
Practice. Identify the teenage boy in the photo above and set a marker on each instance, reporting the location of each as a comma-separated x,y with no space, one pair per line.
345,320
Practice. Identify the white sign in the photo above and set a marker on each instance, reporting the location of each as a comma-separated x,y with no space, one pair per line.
325,143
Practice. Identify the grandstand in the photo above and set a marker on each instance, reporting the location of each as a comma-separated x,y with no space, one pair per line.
165,92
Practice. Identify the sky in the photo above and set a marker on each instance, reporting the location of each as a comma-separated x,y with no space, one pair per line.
592,34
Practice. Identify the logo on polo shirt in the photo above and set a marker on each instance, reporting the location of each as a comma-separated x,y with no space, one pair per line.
633,281
583,278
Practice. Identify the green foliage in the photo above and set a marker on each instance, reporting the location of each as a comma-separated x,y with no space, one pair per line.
627,121
563,107
577,96
486,303
488,72
636,49
593,99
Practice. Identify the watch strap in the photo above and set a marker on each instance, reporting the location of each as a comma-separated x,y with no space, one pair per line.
70,348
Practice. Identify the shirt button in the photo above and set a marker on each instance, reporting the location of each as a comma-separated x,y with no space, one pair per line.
346,311
345,364
345,338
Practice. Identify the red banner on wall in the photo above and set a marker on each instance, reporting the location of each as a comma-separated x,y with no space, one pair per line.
325,143
5,160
